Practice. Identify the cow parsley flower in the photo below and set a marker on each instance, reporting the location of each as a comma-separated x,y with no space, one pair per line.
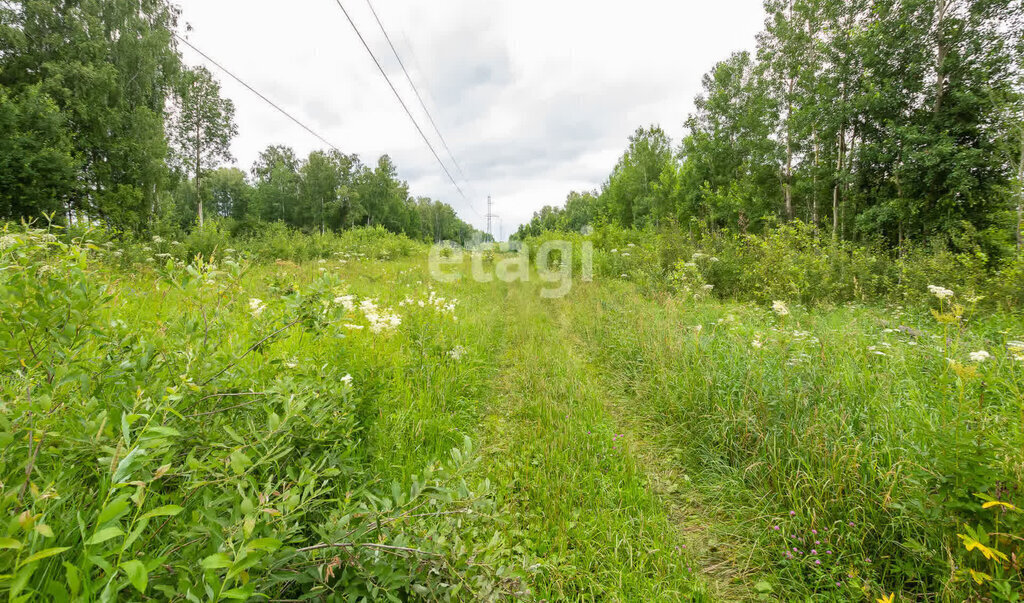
780,308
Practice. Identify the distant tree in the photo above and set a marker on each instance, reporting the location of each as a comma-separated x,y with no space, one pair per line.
107,67
276,175
383,195
632,194
326,178
38,169
228,193
202,126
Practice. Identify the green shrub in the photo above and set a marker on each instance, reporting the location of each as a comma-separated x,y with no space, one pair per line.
167,434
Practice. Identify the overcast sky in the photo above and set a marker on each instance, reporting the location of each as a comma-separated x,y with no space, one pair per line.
534,97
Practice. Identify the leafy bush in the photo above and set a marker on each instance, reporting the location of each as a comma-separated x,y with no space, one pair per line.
165,433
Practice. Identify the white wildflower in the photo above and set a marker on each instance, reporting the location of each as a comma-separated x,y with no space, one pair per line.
780,308
709,288
757,344
256,306
157,239
940,292
980,356
347,379
380,320
348,301
1017,349
457,352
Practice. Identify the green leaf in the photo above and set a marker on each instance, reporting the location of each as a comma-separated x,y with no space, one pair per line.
43,554
264,544
164,511
104,535
139,528
44,530
165,431
122,472
763,587
9,543
137,574
216,561
19,583
243,593
239,462
113,509
74,581
240,565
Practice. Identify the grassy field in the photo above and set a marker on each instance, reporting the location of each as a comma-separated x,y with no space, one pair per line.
349,429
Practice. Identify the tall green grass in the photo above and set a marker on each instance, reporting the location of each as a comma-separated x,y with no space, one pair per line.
848,448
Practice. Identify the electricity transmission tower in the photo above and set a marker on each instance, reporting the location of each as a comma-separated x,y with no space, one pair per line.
490,216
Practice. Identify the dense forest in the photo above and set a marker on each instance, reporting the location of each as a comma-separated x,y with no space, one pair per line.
873,120
100,120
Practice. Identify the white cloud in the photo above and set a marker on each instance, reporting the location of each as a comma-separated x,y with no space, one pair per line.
535,97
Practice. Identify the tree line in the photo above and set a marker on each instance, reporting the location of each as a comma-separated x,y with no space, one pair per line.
884,120
100,120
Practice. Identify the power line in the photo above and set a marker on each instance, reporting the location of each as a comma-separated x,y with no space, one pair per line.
404,106
256,92
416,90
292,117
